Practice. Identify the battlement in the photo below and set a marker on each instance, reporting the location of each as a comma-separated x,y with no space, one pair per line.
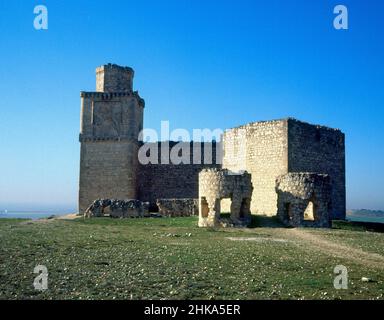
114,78
284,120
112,95
114,67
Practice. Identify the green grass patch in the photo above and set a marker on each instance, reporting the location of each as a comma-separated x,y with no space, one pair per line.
171,258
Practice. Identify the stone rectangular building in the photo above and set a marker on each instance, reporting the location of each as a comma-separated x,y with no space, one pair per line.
269,149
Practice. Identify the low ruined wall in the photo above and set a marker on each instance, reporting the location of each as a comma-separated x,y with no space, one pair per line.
178,207
218,184
304,199
117,208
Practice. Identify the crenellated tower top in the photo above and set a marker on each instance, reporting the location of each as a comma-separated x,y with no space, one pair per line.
114,78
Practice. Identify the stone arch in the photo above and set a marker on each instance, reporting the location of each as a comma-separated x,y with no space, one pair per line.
310,211
216,185
225,205
304,199
204,208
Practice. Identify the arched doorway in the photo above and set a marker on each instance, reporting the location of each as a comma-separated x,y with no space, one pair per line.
204,207
310,211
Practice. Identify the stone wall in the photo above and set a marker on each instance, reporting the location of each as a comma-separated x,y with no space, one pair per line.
114,78
107,171
167,181
319,149
110,116
260,148
272,148
304,199
216,184
178,207
113,208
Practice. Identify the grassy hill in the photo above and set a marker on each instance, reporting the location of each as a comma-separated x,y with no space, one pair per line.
171,258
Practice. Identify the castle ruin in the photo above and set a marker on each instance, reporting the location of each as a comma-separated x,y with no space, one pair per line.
112,118
216,185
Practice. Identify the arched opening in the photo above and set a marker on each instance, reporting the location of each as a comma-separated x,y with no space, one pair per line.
287,211
225,205
244,208
310,211
204,207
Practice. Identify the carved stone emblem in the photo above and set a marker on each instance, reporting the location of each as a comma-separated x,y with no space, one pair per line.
107,119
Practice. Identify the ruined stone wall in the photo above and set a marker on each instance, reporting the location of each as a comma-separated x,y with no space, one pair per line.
304,199
166,181
178,207
115,208
260,148
319,149
217,184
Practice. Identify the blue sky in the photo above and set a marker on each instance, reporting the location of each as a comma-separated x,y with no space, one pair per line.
199,64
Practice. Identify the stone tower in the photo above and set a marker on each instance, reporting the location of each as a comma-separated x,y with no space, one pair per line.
111,119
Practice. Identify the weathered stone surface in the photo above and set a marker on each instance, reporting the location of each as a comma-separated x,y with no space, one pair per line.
268,149
178,207
170,181
319,149
215,185
304,199
112,118
114,78
117,208
260,148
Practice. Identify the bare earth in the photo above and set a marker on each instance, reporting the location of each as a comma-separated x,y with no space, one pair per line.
335,249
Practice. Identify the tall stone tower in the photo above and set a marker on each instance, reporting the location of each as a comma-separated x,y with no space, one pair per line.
111,119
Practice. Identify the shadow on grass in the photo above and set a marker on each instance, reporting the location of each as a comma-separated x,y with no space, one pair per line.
266,222
259,221
358,226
